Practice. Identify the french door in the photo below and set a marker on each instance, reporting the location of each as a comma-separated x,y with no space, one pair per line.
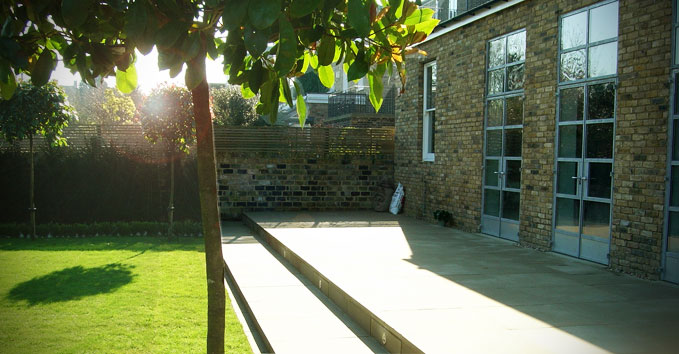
584,171
502,167
671,244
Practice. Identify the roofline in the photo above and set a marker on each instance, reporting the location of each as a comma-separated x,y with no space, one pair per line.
470,16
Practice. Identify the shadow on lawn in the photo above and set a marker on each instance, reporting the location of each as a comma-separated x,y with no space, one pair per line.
72,284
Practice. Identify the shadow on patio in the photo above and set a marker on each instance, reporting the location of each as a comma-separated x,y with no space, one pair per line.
445,290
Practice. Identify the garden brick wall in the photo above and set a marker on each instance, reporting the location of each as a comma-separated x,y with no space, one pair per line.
280,181
454,180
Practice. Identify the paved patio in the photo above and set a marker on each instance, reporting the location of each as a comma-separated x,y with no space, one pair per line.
421,287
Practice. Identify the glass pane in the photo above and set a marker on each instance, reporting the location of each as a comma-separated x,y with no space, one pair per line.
571,103
570,141
573,29
496,53
432,130
675,142
568,214
496,81
676,92
595,219
516,47
599,180
513,142
495,113
514,111
603,59
573,65
600,141
674,188
491,173
491,202
493,142
676,46
603,22
515,77
673,237
565,183
601,104
430,72
513,177
511,205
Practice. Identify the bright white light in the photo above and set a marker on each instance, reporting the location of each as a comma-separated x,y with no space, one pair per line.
148,73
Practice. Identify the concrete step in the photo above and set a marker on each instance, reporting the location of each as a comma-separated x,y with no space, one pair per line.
286,310
379,329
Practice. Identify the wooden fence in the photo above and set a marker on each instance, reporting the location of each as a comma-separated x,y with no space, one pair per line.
333,141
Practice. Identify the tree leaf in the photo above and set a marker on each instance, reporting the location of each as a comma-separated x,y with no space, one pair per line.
168,35
326,51
286,55
300,104
233,17
376,89
418,16
287,95
426,26
301,8
42,70
396,8
9,87
263,13
255,41
126,81
305,63
358,16
256,76
326,75
246,92
358,68
75,12
135,20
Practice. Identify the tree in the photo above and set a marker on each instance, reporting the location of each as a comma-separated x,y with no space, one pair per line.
101,104
99,38
231,109
35,110
167,116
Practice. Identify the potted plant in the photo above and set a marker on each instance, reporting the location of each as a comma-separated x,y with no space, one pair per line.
444,218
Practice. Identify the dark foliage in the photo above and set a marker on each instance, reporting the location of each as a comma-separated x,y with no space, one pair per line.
95,184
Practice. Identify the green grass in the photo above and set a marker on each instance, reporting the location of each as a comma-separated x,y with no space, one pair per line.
107,295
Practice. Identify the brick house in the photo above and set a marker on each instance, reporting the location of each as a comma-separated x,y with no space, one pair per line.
552,123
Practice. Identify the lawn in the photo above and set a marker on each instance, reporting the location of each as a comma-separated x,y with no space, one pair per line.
113,295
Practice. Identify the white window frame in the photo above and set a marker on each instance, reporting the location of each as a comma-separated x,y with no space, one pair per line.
427,124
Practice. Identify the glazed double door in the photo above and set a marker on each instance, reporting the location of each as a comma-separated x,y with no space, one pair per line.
502,167
584,171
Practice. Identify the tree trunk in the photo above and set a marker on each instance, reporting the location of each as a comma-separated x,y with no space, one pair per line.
170,208
32,188
207,184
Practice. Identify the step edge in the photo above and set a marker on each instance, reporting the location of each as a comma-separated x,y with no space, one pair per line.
376,327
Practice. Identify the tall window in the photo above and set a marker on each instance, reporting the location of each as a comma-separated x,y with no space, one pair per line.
586,111
503,135
589,43
429,116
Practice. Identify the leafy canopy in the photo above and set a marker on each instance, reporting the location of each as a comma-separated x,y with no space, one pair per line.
167,115
35,110
101,104
265,44
229,108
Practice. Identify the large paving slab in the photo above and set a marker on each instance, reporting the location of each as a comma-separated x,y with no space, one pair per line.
434,289
292,315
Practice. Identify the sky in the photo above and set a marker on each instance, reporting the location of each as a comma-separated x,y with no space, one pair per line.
148,75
